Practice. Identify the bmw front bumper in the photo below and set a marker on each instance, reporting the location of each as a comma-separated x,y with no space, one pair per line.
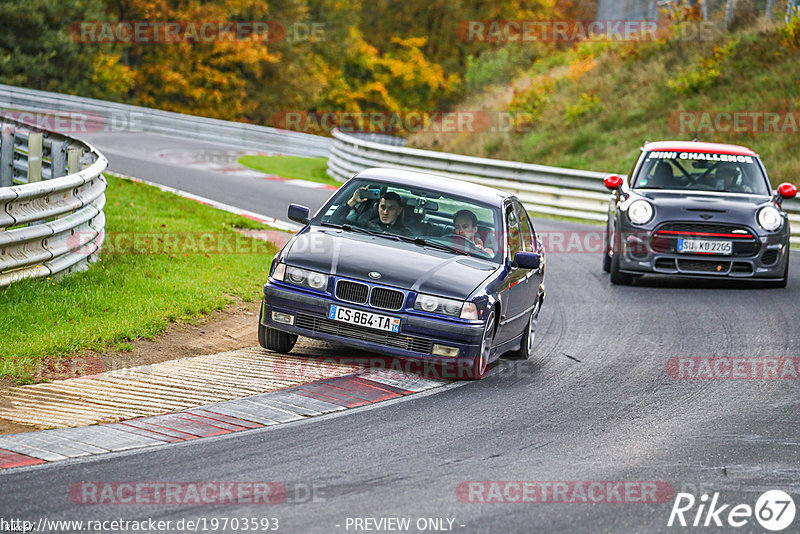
415,340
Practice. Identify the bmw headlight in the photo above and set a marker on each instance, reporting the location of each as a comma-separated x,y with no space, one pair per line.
440,305
302,277
769,218
640,212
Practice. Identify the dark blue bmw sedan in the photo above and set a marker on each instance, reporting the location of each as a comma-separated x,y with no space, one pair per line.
410,265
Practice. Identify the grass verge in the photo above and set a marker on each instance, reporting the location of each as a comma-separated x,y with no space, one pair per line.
295,167
164,259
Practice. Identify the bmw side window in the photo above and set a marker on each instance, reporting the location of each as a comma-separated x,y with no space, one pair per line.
514,233
528,241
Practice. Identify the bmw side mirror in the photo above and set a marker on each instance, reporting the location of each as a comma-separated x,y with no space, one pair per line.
527,260
298,213
785,190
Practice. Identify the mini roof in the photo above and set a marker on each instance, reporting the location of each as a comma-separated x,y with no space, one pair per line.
695,146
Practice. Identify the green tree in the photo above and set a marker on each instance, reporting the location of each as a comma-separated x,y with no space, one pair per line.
38,51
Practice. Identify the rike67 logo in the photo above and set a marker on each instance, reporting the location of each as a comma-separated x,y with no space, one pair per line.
774,510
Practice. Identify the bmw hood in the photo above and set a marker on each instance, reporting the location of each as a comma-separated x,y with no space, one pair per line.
399,263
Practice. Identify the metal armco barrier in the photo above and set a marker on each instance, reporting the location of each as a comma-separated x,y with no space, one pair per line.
88,115
546,190
52,221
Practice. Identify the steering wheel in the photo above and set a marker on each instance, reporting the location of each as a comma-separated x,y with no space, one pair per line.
465,240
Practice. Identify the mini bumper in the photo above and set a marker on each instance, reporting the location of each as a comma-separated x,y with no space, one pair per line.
415,340
639,256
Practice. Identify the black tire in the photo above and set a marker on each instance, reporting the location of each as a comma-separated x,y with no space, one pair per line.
480,364
525,350
618,277
275,340
606,249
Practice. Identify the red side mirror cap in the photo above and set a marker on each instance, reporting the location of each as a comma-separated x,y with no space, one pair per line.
787,190
612,181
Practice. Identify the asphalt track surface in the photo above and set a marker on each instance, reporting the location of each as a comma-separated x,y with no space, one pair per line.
595,403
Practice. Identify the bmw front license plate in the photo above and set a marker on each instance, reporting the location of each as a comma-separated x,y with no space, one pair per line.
363,318
705,246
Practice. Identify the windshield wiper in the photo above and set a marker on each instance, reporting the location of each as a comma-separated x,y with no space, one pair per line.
433,244
358,229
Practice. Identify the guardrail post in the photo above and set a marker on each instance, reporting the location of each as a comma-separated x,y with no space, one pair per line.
34,157
7,156
58,159
73,160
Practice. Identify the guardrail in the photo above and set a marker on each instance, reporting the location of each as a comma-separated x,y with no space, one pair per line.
101,115
547,190
52,221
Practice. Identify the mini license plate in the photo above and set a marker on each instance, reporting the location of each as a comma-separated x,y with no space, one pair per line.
363,318
705,246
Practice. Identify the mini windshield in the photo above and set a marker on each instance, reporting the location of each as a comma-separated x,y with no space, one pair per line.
430,218
698,171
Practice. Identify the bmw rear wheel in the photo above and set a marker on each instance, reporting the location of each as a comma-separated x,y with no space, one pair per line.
528,335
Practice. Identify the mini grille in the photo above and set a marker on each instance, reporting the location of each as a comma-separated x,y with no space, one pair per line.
387,299
352,291
721,267
741,267
390,339
744,245
770,257
707,228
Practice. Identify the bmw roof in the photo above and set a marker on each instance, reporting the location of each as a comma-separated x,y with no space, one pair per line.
696,146
436,183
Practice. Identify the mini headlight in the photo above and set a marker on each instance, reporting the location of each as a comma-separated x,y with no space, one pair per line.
640,211
769,218
317,280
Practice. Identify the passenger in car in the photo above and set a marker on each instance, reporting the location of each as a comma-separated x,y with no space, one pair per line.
466,225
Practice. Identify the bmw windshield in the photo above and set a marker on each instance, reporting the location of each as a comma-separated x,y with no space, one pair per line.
698,171
428,217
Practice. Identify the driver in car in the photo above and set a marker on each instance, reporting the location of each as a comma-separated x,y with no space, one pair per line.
389,217
729,176
466,224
